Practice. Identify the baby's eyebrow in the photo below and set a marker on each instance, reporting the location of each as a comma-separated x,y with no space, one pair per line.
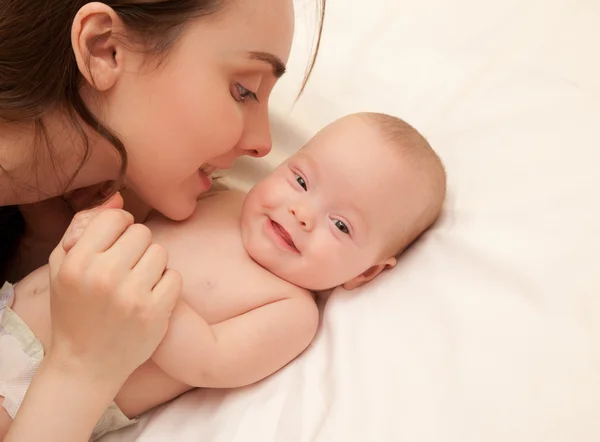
358,216
309,163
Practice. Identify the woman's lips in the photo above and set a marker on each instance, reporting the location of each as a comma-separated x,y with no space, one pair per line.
205,179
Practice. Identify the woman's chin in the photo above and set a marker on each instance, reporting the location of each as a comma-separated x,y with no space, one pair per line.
176,209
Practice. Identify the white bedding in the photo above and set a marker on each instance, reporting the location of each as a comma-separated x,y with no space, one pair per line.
489,329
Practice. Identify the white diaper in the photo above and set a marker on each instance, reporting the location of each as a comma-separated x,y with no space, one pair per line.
20,356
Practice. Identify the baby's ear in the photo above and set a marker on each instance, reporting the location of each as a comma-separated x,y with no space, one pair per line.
370,273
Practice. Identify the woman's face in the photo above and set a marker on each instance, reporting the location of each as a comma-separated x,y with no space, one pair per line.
204,106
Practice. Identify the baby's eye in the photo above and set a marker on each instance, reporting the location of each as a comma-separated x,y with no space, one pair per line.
341,226
301,181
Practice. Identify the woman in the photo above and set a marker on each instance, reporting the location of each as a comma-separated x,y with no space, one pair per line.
154,95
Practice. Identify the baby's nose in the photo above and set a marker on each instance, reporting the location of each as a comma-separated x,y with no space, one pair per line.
302,216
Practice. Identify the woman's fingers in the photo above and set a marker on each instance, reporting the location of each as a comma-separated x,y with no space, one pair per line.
75,230
82,219
151,267
110,296
130,247
102,231
167,291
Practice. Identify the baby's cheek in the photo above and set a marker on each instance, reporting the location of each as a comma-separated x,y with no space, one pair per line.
348,265
326,260
270,193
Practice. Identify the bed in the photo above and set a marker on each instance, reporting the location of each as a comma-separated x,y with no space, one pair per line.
489,328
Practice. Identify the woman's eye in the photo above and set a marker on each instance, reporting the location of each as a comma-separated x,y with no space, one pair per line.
301,181
341,226
242,94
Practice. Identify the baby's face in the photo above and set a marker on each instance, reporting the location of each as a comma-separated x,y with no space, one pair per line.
324,216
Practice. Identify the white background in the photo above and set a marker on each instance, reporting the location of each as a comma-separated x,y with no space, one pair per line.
489,329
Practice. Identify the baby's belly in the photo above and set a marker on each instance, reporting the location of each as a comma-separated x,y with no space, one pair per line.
32,304
146,388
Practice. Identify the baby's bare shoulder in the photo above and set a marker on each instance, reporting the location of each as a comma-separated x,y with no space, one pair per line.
275,284
274,288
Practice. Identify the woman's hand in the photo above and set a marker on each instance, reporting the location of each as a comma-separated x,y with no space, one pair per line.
111,298
111,294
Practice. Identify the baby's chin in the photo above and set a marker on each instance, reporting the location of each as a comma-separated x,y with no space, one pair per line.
306,279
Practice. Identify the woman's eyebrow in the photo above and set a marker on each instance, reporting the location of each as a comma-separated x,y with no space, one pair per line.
275,62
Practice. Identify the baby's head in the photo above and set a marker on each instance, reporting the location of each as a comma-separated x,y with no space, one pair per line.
340,210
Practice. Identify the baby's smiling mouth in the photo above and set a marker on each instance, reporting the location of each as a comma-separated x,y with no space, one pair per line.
284,235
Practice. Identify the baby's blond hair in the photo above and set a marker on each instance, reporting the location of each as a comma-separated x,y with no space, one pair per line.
409,143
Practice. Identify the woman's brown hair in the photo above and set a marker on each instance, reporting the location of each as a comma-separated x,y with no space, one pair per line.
38,70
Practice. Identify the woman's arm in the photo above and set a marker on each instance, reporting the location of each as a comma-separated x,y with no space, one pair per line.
62,405
239,351
111,297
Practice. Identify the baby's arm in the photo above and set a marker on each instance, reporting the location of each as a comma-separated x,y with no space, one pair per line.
239,351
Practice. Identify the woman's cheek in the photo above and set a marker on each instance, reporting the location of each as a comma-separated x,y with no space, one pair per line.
222,130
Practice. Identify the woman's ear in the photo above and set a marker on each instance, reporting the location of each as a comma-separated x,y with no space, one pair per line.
98,52
370,273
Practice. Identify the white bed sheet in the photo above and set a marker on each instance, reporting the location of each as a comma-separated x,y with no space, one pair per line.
489,329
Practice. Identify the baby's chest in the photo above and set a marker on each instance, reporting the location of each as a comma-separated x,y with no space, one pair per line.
224,292
220,281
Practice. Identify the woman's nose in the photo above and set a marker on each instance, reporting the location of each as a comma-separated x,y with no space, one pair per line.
258,150
256,141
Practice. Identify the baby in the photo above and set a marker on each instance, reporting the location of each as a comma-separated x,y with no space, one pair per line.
335,214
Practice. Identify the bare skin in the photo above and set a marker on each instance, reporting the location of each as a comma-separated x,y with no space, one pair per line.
260,326
313,222
205,106
208,104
